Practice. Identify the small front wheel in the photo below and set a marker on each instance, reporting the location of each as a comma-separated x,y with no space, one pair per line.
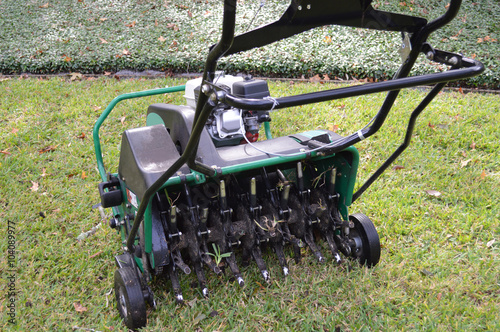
366,239
129,298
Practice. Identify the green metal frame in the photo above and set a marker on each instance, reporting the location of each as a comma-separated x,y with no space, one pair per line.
111,106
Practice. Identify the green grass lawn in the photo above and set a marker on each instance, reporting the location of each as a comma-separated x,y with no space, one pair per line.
440,264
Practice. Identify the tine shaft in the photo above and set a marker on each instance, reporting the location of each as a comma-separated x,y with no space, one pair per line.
174,278
293,240
180,263
198,269
231,261
278,249
310,242
210,263
333,247
257,255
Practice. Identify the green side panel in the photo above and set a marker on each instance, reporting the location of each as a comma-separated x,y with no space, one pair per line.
148,245
346,179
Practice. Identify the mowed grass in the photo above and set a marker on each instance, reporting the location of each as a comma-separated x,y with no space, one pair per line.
440,264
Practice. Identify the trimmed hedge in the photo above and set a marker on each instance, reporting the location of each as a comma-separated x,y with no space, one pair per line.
95,36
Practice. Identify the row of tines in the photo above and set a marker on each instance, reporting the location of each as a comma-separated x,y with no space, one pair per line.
270,213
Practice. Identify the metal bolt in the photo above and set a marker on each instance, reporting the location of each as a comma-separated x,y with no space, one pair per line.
205,88
430,55
453,61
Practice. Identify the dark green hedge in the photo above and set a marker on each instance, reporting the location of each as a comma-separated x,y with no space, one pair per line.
95,36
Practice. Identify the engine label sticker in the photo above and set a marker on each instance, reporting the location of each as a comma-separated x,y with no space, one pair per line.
132,198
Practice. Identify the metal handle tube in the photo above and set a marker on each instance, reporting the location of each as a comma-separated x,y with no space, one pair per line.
352,91
411,125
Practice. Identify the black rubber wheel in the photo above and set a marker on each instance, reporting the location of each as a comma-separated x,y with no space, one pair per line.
364,234
129,298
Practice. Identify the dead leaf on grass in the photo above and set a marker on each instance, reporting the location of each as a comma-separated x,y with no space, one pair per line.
76,76
96,254
103,41
49,148
464,163
5,152
397,167
162,39
434,193
333,128
84,176
44,6
122,120
34,186
316,78
483,175
126,52
79,307
130,25
81,136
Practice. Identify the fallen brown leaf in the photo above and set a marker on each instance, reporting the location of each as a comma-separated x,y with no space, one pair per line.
103,41
96,254
126,52
397,167
483,175
464,163
5,152
173,26
81,136
161,39
333,128
49,148
473,146
14,130
122,119
316,78
130,25
84,176
34,186
76,76
44,6
434,193
79,307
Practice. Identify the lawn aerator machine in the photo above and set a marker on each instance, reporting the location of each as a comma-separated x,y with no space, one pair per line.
195,186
